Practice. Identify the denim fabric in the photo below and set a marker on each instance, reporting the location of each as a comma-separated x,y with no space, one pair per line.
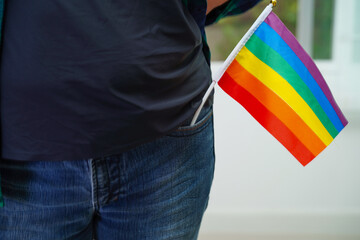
156,191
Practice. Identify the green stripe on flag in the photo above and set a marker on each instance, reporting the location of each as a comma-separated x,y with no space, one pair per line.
274,60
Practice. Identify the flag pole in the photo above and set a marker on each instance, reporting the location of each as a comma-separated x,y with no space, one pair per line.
232,55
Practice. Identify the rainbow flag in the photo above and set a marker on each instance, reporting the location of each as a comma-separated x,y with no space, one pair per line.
278,83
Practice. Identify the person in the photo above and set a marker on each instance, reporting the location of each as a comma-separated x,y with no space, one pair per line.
96,101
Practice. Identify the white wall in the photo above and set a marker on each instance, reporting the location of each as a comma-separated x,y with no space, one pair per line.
261,190
259,187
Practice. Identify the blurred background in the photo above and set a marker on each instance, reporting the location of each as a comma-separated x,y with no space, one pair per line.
260,191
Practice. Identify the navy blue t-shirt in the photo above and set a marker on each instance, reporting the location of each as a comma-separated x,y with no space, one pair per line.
90,78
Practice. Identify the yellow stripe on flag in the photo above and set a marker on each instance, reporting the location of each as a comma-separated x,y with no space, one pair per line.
283,89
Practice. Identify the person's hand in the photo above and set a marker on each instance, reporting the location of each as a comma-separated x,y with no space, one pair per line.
211,4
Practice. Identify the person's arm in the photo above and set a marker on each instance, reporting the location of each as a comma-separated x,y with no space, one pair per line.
218,9
211,4
1,17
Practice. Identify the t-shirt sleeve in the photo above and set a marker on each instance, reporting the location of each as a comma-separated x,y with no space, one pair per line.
230,8
1,17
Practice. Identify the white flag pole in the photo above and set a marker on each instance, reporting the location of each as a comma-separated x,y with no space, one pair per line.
232,55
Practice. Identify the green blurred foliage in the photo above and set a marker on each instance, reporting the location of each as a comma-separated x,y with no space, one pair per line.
223,36
323,29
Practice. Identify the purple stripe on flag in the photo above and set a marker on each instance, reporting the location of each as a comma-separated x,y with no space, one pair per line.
275,23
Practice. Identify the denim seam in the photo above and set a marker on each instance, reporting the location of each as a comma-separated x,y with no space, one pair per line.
107,183
93,183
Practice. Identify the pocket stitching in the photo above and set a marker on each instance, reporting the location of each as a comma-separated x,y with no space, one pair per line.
198,125
187,131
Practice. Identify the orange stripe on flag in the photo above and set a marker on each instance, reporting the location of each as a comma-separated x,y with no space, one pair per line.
277,106
267,119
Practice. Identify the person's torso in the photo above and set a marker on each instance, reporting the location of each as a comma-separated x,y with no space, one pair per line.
89,78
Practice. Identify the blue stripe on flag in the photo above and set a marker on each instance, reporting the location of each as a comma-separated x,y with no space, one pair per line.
272,38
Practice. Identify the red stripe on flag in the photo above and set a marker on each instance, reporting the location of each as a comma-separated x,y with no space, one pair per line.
267,119
276,105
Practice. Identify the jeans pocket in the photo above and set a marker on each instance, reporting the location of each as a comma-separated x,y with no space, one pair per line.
203,121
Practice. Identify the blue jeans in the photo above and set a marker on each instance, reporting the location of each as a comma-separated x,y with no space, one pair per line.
156,191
